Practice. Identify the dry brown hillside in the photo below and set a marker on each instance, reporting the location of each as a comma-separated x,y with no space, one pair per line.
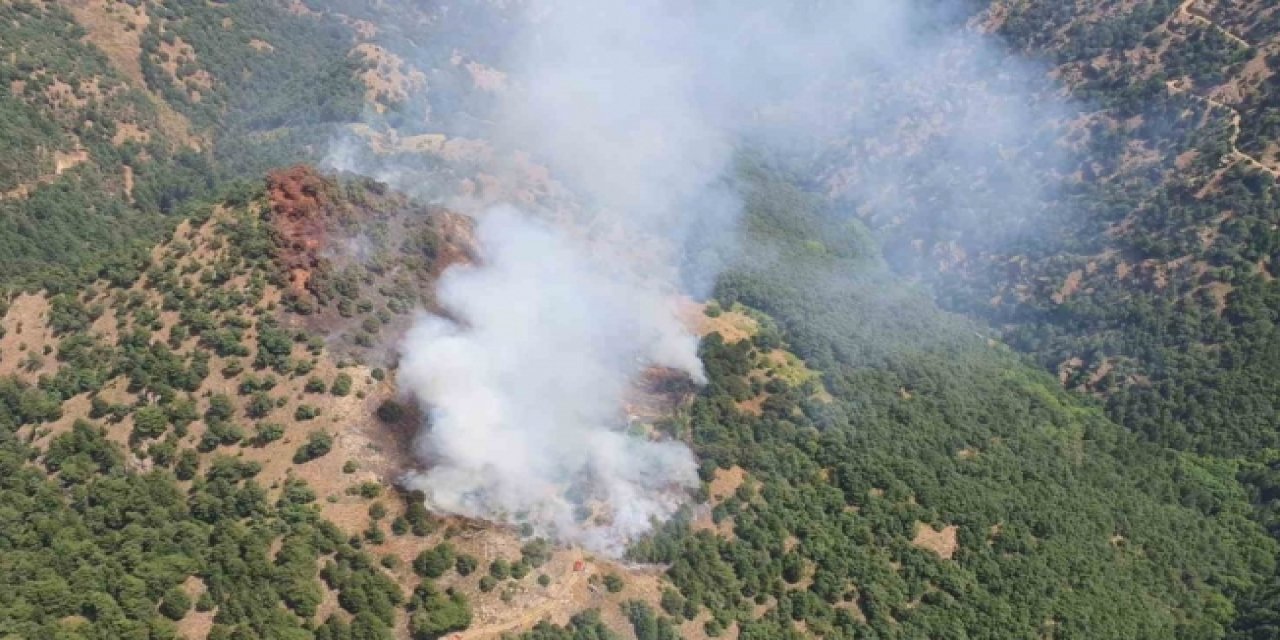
290,351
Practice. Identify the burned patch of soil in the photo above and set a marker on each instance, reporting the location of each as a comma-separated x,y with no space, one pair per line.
299,201
355,259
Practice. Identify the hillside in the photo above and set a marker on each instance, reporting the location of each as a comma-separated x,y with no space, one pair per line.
1136,265
1139,269
937,406
116,115
1170,298
221,398
232,393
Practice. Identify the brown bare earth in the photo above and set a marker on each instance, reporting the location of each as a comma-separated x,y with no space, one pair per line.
116,29
942,542
732,325
298,202
26,338
388,80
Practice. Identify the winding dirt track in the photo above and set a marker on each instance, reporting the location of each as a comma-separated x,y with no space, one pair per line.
1187,11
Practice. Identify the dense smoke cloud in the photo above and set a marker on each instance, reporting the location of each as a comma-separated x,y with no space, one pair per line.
638,108
527,380
526,388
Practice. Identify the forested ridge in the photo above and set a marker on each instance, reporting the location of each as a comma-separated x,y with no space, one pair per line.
1148,283
1052,501
1070,433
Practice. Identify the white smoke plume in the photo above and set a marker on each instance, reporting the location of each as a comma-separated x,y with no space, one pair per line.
638,107
526,387
525,382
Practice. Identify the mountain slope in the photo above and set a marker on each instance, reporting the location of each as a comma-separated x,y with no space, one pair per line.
948,490
206,428
882,485
871,468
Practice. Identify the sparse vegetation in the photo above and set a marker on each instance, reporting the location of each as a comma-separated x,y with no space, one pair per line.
1139,507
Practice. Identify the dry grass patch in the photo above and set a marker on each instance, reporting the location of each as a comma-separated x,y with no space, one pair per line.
1069,287
74,408
26,338
733,324
942,542
116,29
129,132
1219,292
195,624
364,29
389,80
176,53
62,161
725,482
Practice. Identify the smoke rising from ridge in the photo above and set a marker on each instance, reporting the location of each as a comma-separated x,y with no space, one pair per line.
524,389
638,108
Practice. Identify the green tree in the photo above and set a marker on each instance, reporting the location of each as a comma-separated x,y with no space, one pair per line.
434,562
175,604
341,385
150,421
465,564
433,614
317,445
